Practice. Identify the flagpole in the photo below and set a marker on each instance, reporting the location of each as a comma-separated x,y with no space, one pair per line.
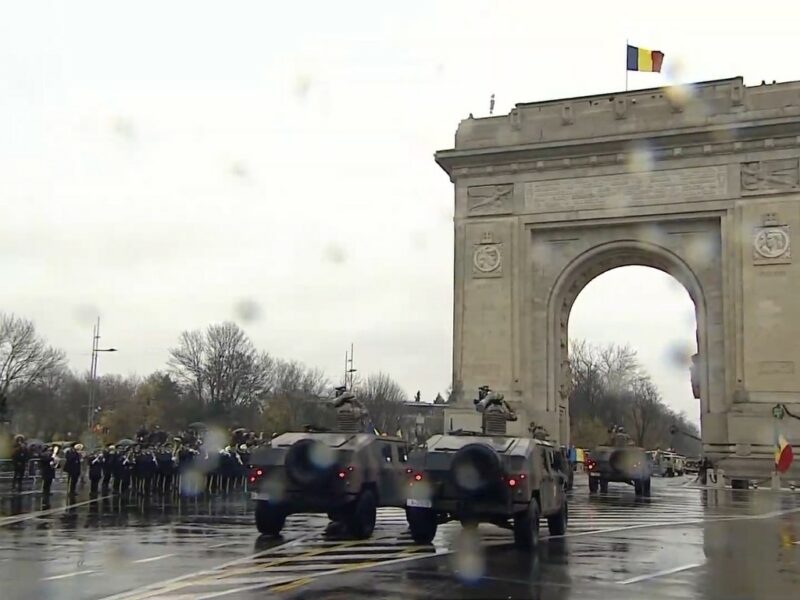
626,64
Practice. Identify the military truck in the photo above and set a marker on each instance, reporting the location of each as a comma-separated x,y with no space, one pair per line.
619,461
347,472
487,476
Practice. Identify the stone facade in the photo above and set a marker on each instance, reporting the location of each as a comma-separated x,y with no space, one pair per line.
703,185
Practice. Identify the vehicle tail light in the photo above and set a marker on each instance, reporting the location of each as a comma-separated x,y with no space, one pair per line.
590,464
515,480
418,477
344,472
255,474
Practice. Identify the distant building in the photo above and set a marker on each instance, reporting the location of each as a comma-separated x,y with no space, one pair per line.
421,420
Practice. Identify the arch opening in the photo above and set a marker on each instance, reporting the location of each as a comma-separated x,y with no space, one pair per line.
669,340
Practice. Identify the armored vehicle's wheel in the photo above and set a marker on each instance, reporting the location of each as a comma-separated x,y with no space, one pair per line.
269,518
557,523
422,523
361,518
593,485
603,486
526,526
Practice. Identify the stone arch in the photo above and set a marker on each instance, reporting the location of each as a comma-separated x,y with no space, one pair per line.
594,262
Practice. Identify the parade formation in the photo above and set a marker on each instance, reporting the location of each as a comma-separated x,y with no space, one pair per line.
151,463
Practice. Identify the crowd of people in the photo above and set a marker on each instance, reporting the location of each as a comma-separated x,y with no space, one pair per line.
152,463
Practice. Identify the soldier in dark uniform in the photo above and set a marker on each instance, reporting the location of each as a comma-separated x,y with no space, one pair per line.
19,459
96,463
47,467
243,454
186,457
109,458
166,469
72,467
121,471
146,467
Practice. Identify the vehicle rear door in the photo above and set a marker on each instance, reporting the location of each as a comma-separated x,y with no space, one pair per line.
551,487
389,474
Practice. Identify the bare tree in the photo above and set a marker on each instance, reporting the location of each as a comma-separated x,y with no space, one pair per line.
222,367
25,358
646,408
384,399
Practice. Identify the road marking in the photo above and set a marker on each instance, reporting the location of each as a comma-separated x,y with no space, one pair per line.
152,558
45,513
65,575
660,573
135,592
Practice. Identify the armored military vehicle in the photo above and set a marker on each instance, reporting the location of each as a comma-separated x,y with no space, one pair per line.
619,461
487,476
346,472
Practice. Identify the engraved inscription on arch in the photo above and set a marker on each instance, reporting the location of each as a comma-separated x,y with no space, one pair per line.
627,189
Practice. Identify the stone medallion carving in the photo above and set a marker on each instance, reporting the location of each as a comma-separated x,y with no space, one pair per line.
487,257
771,242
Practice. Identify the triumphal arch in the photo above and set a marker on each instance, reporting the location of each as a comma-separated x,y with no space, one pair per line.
702,182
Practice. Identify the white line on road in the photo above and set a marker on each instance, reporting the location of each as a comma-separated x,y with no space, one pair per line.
65,575
45,513
660,573
153,558
145,589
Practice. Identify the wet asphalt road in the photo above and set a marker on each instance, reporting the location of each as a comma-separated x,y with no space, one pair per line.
681,543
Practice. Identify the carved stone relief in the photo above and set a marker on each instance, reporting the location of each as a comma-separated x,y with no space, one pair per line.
772,242
487,257
770,175
490,199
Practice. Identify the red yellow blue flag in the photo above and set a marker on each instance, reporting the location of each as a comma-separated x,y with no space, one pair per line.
783,454
640,59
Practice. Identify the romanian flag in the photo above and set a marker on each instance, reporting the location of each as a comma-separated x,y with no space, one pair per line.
640,59
783,454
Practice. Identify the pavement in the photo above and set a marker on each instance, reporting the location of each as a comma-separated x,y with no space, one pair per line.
683,542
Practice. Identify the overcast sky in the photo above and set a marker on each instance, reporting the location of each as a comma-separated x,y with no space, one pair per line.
163,162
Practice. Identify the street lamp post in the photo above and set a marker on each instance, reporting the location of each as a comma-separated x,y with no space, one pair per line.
93,373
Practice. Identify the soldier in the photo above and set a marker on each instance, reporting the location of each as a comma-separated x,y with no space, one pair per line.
129,470
496,411
96,464
109,458
166,469
19,459
121,469
620,438
72,467
47,467
243,455
146,468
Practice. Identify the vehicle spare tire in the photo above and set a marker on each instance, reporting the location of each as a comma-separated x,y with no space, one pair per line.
474,467
308,463
625,461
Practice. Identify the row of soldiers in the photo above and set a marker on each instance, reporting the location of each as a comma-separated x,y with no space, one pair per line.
144,469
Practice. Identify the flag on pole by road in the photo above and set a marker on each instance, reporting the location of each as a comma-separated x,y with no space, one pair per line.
783,454
641,59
